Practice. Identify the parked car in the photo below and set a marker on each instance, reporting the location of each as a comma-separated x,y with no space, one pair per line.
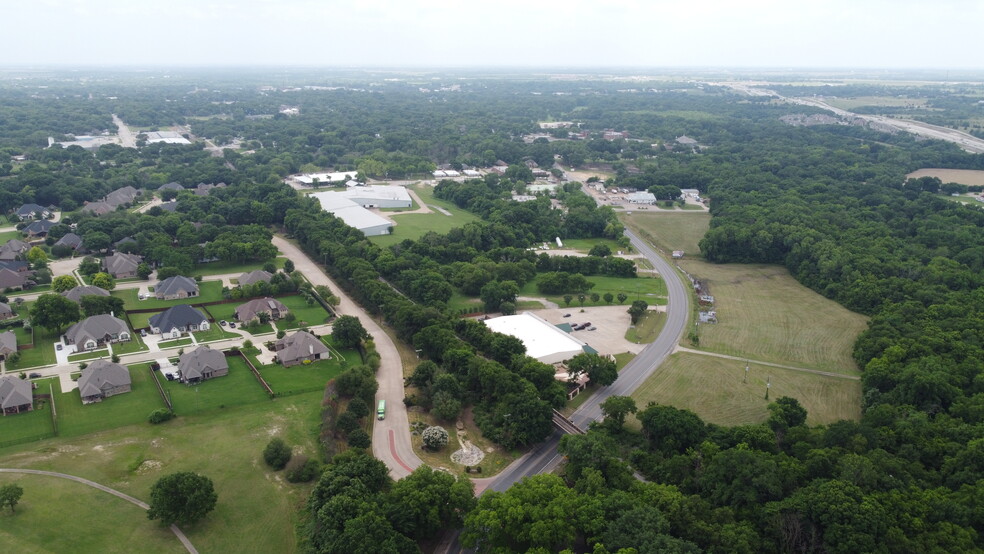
592,328
232,324
34,375
223,323
567,315
58,347
143,332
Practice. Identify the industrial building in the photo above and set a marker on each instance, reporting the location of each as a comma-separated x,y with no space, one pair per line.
543,341
353,214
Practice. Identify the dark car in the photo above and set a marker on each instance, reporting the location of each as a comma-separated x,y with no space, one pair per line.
34,375
232,325
567,315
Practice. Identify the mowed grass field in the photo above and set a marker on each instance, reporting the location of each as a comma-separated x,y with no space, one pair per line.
58,515
670,231
765,315
413,226
75,418
712,388
257,511
971,177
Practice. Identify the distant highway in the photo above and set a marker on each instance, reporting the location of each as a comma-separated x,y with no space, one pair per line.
966,141
544,456
126,137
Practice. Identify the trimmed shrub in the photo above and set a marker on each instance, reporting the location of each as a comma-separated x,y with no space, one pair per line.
276,454
302,469
359,439
435,437
160,416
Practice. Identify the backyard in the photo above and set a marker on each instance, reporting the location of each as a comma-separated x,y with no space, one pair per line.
75,418
43,352
209,291
237,388
221,268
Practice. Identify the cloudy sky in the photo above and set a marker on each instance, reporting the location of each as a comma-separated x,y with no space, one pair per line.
474,33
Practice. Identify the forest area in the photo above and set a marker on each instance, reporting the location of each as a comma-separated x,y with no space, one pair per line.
830,203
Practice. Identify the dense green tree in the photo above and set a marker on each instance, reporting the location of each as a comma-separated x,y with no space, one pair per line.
347,332
63,283
277,453
615,408
428,501
92,304
103,281
600,370
54,312
183,498
10,495
670,429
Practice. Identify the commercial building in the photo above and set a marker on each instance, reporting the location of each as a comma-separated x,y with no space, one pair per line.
542,340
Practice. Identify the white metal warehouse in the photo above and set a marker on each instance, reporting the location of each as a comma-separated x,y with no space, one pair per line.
353,214
542,340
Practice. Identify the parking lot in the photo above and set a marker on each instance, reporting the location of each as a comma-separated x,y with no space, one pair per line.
610,324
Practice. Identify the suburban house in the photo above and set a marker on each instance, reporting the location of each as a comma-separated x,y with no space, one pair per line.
102,379
171,206
16,395
13,248
97,331
6,312
124,240
32,211
254,277
203,189
176,287
76,294
8,344
122,265
121,196
171,186
20,266
70,240
299,348
202,364
13,280
98,208
252,309
172,322
39,228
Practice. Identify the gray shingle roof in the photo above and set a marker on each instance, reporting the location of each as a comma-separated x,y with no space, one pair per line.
71,240
76,294
194,364
101,375
40,226
249,310
9,278
96,327
174,285
14,392
121,263
8,342
171,186
28,209
180,316
298,346
255,277
98,208
120,196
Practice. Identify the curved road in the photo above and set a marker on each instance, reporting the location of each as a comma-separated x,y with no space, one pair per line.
545,457
391,436
174,528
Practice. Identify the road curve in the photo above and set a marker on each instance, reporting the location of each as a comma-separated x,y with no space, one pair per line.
390,437
544,456
174,528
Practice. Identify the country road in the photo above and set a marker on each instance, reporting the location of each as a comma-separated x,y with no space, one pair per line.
126,137
391,436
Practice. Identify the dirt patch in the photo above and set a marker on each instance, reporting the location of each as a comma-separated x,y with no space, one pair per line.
971,177
149,465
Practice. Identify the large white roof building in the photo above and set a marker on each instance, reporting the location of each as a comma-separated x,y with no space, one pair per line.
542,340
325,178
353,214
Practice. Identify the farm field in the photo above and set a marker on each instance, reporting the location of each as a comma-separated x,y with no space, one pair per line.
49,515
712,388
224,445
970,177
413,226
765,315
670,231
75,418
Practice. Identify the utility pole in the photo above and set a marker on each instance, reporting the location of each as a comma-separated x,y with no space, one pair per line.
745,379
768,385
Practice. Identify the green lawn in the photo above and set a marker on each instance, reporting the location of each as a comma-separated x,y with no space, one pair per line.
209,291
645,287
219,268
225,445
48,520
141,320
43,352
75,418
88,355
647,329
8,235
583,245
307,316
36,290
23,335
214,333
29,425
174,343
238,388
135,344
300,377
412,226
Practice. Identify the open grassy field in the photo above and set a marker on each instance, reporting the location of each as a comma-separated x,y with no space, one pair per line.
765,315
645,287
300,377
712,388
647,329
307,315
257,510
971,177
208,291
48,520
237,388
670,231
890,101
412,226
75,418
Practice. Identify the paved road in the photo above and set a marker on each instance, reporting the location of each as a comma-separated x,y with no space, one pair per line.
545,457
174,528
126,137
391,436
